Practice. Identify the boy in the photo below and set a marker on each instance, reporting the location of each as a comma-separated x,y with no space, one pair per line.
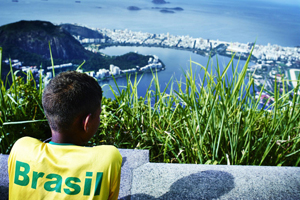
64,168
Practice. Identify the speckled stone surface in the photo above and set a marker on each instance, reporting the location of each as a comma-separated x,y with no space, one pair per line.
132,159
3,177
178,181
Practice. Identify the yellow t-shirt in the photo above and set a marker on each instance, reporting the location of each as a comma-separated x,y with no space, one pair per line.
40,170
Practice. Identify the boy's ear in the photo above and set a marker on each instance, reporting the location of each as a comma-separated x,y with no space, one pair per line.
86,121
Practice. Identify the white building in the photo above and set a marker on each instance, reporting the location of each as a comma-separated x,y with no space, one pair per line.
114,70
102,73
129,70
91,73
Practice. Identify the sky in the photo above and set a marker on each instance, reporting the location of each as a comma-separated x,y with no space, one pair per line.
285,2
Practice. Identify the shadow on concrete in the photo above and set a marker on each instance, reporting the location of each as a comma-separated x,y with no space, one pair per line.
124,159
210,184
4,192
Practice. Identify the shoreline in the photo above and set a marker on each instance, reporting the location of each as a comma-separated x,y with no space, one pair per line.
199,52
107,78
269,60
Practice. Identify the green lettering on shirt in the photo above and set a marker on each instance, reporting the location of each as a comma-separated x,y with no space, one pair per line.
35,177
87,184
21,173
22,178
56,182
75,187
98,183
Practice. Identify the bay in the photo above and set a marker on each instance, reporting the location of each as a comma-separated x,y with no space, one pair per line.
177,63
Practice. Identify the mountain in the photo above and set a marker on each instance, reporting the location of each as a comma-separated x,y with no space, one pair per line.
28,41
81,31
32,38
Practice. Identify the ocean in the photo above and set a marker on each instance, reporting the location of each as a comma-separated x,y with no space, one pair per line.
263,22
229,20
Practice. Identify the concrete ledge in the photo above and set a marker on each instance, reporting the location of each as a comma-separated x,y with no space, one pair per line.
132,159
3,177
188,181
143,180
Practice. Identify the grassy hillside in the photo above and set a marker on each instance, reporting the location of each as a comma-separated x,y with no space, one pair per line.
212,120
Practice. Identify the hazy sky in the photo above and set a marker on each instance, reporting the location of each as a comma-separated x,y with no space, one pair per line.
289,2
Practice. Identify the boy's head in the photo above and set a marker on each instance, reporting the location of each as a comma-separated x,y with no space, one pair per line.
68,96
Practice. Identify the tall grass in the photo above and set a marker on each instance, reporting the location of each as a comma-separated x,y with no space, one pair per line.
207,120
21,113
212,119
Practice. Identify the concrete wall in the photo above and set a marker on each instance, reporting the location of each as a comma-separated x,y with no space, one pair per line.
3,177
143,180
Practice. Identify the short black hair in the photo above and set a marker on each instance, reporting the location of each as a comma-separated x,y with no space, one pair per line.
69,95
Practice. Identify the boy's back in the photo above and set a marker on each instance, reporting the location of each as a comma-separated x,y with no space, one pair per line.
40,170
58,170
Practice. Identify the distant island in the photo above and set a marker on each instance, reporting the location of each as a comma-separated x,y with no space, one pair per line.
133,8
166,11
165,8
159,1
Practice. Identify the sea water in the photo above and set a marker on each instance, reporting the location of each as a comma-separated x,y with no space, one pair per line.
177,64
229,20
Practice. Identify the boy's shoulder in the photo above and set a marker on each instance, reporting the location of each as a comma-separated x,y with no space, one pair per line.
29,144
26,142
27,139
108,147
109,150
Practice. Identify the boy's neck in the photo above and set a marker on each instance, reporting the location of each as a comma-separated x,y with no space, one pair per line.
60,143
65,138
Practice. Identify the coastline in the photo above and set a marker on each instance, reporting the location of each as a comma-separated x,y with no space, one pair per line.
271,61
199,52
107,78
